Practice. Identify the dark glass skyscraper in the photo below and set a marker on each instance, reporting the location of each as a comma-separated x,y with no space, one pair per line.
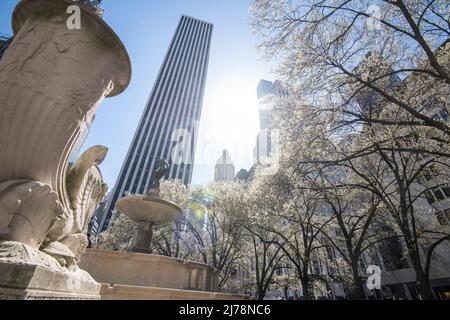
4,44
175,104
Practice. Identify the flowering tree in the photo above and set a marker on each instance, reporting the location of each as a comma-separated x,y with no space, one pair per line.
352,231
118,236
324,46
216,226
265,257
295,215
369,83
172,239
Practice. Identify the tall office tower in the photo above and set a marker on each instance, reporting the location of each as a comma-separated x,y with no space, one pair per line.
171,117
267,91
224,169
4,44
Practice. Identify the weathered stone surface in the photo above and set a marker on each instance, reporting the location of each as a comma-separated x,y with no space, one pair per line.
142,239
52,80
148,270
132,276
27,273
85,189
140,208
33,282
122,292
27,211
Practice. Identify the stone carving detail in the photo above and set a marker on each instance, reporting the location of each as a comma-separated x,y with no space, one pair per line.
16,253
85,189
59,231
159,173
52,80
20,253
20,200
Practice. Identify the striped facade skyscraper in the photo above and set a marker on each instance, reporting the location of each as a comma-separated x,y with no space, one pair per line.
174,107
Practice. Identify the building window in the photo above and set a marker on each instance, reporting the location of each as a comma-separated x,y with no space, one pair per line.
438,194
441,116
393,254
316,266
430,173
443,217
430,197
446,190
427,174
331,253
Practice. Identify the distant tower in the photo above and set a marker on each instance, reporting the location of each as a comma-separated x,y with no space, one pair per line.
173,109
267,92
224,170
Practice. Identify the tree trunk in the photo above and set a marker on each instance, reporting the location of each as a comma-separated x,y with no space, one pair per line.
423,280
357,289
306,289
260,294
426,290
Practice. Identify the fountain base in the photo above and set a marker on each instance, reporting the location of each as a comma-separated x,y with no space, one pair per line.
135,276
29,274
122,292
142,239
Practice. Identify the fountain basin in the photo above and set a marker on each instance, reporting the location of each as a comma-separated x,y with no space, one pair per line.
145,270
143,209
147,211
135,276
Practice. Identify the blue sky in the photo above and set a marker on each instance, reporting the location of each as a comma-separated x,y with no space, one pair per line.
229,120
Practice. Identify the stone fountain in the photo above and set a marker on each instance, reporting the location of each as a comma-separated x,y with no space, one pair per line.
52,80
148,211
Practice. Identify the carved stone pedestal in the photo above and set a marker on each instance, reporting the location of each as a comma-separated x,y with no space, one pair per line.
142,239
29,274
52,79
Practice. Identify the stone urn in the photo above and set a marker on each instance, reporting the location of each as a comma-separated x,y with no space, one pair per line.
52,79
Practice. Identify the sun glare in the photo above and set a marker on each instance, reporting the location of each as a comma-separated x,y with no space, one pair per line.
229,121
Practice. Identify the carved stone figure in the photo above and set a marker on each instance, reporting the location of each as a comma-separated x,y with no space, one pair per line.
85,189
159,173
